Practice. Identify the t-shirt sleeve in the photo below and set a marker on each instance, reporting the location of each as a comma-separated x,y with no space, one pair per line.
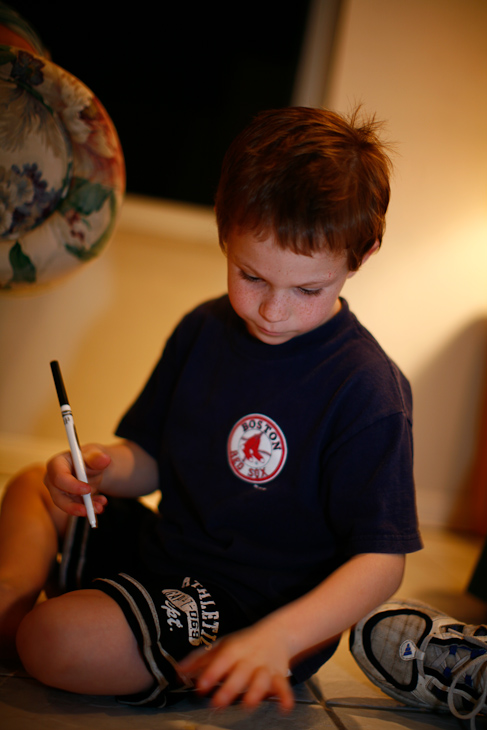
371,498
142,423
145,420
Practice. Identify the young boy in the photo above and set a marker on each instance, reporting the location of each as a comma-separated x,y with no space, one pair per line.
280,435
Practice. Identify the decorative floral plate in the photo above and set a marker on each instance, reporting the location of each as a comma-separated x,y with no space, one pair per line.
62,174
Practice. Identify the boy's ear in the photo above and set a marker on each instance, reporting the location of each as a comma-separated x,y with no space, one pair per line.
367,256
371,251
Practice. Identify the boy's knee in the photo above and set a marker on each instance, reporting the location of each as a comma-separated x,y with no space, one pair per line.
30,477
27,489
41,643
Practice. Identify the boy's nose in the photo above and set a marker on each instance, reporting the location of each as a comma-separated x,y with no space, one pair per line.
273,308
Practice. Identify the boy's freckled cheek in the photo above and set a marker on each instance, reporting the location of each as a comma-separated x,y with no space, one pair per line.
308,310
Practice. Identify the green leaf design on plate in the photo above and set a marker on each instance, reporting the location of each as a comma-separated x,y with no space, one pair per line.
85,197
23,268
86,254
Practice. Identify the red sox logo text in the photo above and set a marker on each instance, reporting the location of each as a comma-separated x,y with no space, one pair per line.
257,449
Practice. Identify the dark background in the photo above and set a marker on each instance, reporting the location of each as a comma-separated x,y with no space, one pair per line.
179,81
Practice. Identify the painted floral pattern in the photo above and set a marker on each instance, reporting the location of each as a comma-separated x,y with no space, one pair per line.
62,173
24,199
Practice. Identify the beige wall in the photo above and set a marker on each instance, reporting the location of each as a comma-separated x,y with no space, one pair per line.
422,66
107,324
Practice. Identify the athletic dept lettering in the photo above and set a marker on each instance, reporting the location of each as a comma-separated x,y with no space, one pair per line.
257,449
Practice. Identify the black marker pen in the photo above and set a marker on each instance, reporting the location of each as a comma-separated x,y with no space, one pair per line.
79,465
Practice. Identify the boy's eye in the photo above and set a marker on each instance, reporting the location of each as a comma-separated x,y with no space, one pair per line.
255,280
247,277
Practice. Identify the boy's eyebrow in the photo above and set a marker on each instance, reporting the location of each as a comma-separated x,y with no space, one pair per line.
307,285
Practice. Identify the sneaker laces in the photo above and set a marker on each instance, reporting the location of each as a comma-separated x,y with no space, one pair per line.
469,667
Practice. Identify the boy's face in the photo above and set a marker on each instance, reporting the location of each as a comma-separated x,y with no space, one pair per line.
278,293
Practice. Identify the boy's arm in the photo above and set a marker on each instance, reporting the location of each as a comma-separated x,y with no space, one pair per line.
256,661
122,469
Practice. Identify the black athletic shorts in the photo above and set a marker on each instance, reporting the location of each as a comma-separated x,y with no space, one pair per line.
170,615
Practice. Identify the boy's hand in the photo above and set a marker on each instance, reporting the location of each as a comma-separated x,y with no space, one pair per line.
253,662
66,490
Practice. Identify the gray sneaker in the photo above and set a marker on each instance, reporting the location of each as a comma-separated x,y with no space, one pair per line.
424,658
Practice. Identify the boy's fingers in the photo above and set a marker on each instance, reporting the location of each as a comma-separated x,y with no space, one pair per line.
260,687
238,678
264,685
282,689
234,685
78,509
72,485
194,662
59,475
208,679
214,666
255,688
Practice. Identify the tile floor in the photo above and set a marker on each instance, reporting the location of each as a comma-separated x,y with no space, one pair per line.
339,696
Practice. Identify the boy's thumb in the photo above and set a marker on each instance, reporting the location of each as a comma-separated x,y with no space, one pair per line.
95,458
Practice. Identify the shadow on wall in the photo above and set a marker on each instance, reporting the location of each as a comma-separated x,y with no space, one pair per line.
448,397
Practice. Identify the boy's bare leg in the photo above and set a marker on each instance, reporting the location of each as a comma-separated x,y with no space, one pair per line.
30,529
81,642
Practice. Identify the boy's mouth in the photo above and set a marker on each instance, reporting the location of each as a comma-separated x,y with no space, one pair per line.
259,332
270,333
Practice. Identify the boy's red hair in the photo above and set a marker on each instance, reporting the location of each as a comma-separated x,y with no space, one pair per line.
312,177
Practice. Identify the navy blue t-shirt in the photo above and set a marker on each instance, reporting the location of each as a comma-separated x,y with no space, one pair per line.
277,463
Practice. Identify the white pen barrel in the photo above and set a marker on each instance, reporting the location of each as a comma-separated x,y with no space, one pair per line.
78,463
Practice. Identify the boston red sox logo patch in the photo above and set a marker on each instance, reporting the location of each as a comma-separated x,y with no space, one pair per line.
257,449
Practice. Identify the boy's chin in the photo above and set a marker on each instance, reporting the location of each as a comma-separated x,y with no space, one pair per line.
268,336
